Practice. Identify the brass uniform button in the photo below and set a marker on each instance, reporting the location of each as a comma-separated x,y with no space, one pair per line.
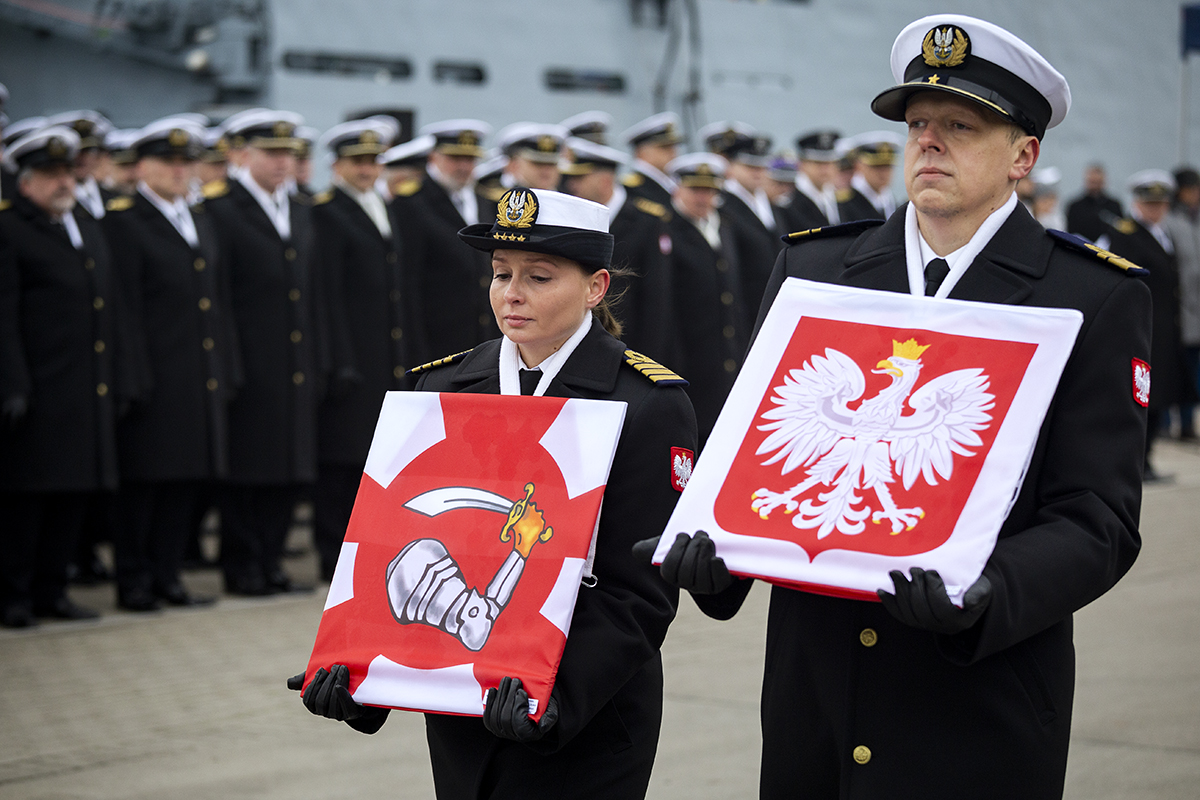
99,346
211,384
727,298
98,303
862,754
205,304
484,319
728,331
296,337
392,257
89,263
485,282
294,295
290,254
395,295
868,637
199,264
208,343
730,365
397,372
298,378
102,389
396,334
722,265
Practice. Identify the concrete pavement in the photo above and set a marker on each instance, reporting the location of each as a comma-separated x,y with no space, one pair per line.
191,703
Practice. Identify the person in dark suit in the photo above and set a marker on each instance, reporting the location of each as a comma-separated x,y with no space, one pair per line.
92,127
598,736
745,203
814,200
655,143
533,151
62,376
712,321
869,195
1092,213
173,444
367,298
450,280
266,238
1143,239
864,700
642,295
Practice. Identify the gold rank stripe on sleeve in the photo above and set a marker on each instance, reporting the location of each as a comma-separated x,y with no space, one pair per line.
652,208
441,362
215,189
1126,226
123,203
656,372
1078,243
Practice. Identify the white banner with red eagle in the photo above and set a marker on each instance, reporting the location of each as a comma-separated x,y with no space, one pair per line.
473,527
870,431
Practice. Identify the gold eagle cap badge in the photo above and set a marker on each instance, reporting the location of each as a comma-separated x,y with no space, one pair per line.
946,47
517,208
177,137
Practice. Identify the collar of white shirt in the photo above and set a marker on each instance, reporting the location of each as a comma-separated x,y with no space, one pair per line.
511,362
654,173
616,202
918,253
176,213
275,204
370,202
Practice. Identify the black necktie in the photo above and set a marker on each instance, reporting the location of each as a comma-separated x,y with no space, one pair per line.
529,380
935,272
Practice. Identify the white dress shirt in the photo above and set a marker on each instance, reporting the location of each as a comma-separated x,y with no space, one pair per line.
918,253
177,214
275,204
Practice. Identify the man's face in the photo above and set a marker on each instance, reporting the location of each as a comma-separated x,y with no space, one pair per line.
1151,211
877,177
50,188
270,168
1190,196
657,155
596,186
534,174
166,176
86,163
361,172
748,175
821,173
697,201
457,169
960,159
1093,180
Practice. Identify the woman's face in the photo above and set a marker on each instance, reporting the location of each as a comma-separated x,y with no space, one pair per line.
540,300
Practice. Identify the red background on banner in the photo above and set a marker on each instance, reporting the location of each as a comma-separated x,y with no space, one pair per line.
485,448
1003,362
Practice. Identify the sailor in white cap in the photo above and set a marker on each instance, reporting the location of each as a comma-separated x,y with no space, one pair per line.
814,201
366,306
865,700
92,127
60,375
458,146
488,174
533,150
549,255
641,246
869,195
590,125
654,142
404,167
267,238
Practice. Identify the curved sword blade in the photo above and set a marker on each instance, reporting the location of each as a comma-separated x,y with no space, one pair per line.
450,498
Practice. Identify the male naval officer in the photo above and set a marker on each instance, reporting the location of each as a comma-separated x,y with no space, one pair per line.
869,195
915,696
814,201
92,128
655,143
533,150
61,368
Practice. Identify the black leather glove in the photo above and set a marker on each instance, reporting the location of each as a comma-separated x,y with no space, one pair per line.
923,602
506,713
14,409
329,696
690,564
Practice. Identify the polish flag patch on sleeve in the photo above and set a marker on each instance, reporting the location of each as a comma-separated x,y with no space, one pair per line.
1141,382
682,461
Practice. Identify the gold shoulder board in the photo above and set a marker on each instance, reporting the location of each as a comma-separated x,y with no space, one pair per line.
633,180
652,208
441,362
323,198
122,203
845,229
408,189
1082,245
1126,226
844,195
215,189
5,205
656,372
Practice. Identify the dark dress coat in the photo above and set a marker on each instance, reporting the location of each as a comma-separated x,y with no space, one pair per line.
364,284
177,298
272,420
1171,382
854,205
451,279
639,184
60,348
1090,215
609,683
711,316
802,213
985,713
757,247
645,302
